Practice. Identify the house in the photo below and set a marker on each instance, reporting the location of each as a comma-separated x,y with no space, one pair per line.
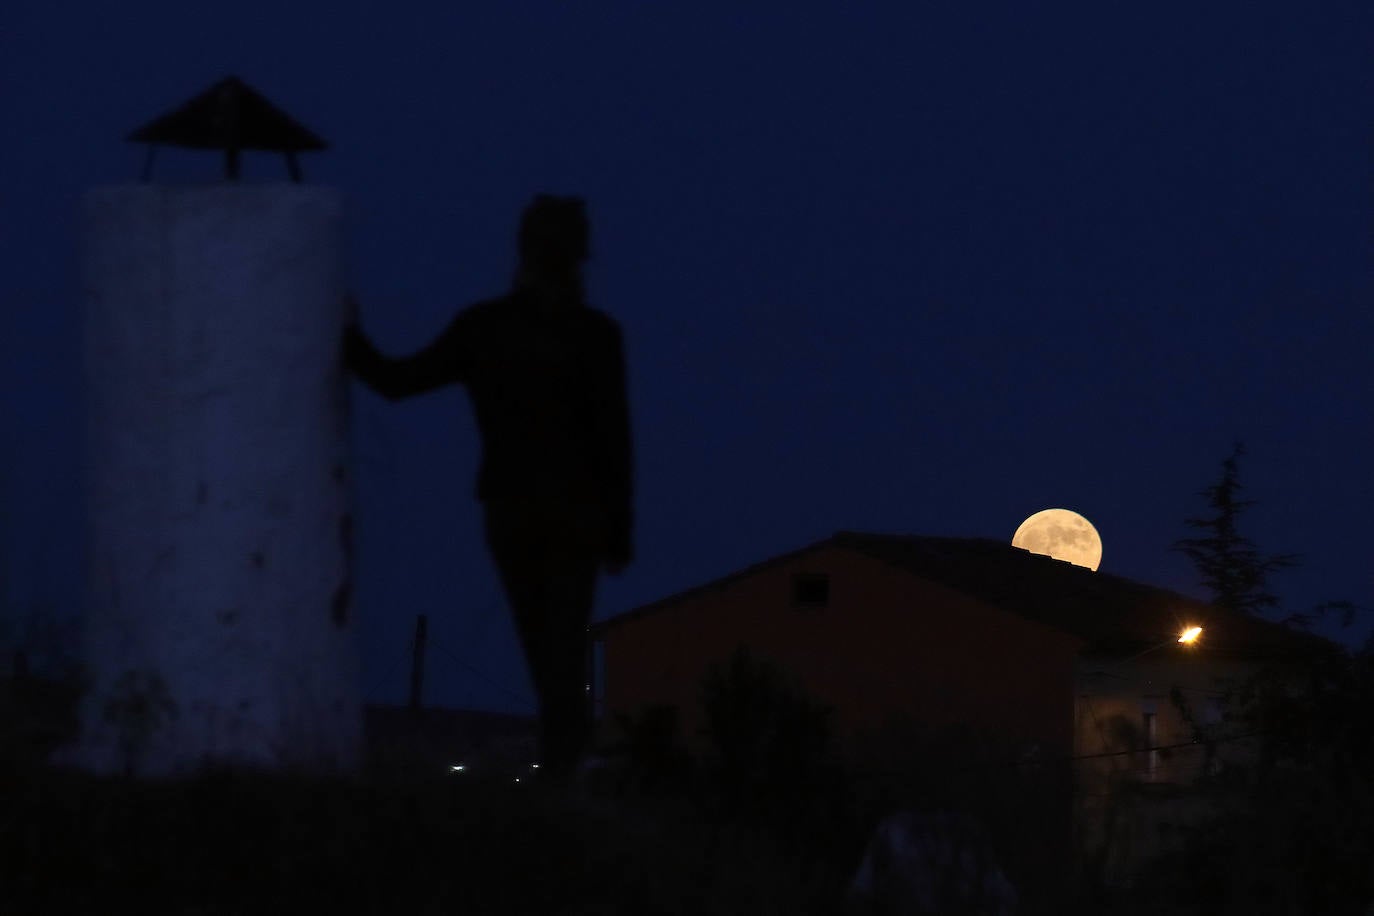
864,631
968,650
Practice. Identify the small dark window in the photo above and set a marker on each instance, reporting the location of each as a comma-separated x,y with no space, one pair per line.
811,589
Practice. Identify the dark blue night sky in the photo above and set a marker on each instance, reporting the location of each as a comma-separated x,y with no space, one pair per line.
912,268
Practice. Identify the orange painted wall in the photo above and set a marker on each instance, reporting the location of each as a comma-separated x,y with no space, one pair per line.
887,644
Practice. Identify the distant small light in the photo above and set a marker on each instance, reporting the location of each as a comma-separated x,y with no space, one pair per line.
534,766
457,768
1190,635
517,779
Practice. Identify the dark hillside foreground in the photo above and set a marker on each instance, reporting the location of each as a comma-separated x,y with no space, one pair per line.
765,824
245,843
242,843
649,833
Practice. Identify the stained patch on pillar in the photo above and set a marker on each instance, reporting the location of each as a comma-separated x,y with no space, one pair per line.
202,493
343,595
257,559
227,617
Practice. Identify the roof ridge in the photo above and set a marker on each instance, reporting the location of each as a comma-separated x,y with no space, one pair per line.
1107,610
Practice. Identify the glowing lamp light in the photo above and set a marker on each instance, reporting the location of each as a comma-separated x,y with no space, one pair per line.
457,768
1190,635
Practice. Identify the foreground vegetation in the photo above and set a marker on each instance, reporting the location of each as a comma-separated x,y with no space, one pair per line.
769,823
250,843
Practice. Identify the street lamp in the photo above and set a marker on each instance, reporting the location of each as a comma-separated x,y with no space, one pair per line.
1188,637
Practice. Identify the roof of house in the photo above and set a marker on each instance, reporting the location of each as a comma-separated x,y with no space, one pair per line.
1112,614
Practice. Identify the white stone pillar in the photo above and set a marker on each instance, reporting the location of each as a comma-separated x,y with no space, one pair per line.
219,508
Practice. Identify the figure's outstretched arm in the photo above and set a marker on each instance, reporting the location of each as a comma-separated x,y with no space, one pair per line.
393,378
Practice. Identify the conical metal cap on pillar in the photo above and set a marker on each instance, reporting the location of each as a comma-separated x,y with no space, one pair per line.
232,116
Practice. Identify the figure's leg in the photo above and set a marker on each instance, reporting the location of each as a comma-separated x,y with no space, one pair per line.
550,582
560,666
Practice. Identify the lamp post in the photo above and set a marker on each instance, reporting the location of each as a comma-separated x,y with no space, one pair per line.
219,624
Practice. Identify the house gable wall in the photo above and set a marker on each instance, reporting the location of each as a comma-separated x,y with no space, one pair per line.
888,644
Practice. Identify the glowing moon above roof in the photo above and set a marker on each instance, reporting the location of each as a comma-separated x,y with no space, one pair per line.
1061,534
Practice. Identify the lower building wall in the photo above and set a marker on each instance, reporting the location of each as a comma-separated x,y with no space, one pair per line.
1131,800
886,645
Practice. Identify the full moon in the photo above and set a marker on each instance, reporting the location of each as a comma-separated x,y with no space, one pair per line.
1061,534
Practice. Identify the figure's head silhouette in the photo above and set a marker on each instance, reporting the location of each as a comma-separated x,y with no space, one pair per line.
554,231
553,243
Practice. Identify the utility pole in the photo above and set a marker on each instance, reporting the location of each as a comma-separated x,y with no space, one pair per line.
417,660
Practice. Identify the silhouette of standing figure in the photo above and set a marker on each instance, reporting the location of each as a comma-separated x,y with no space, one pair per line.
546,375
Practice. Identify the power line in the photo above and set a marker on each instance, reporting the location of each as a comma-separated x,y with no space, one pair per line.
1074,758
479,626
1165,747
524,699
392,668
1092,713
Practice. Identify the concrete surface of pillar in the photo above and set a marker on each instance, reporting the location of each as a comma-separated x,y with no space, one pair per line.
220,625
